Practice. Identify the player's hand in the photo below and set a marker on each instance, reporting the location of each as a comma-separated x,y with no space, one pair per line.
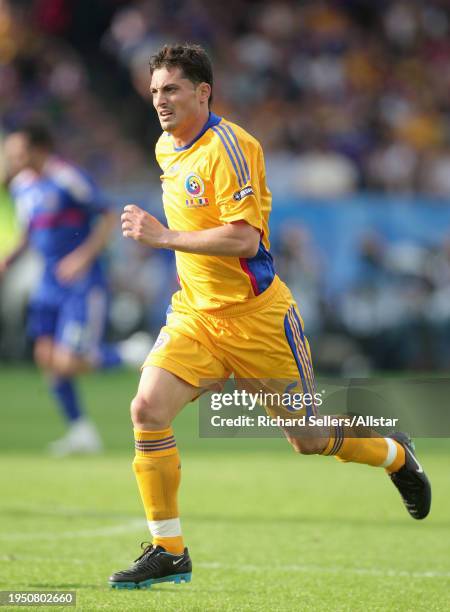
142,227
73,266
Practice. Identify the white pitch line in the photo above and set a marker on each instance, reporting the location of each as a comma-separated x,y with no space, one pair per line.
135,524
327,570
138,524
260,568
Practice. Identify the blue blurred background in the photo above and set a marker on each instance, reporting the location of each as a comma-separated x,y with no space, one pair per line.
351,101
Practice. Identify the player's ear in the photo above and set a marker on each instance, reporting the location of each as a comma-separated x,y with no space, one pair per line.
204,90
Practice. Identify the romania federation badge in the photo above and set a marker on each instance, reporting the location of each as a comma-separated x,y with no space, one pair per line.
194,185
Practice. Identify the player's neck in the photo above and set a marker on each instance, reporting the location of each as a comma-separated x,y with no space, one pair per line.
187,134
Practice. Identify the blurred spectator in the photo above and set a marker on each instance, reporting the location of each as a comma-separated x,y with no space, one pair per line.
392,167
322,172
387,305
436,171
438,310
299,263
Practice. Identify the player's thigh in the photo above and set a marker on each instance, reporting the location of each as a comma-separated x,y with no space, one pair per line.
42,322
160,397
275,363
275,356
81,323
184,348
177,370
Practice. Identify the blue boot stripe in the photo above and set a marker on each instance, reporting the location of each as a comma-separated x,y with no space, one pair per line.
177,578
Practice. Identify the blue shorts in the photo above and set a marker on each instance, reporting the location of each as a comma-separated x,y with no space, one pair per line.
76,319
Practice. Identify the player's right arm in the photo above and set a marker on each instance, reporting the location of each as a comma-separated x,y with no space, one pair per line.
234,239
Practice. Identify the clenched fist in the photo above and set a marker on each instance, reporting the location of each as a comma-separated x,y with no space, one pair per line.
142,227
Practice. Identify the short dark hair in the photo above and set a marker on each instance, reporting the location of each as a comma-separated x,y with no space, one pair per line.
38,134
192,59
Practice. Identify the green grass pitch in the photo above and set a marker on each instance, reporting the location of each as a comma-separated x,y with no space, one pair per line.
267,529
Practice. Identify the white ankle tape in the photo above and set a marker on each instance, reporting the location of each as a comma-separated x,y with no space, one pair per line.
392,453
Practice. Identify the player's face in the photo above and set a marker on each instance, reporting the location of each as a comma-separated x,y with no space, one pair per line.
17,154
176,99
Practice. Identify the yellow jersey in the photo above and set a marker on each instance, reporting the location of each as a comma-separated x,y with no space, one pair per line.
217,178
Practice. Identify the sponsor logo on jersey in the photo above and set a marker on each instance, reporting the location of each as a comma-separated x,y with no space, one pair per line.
194,185
243,193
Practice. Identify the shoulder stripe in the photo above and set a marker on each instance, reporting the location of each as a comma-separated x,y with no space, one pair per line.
227,136
233,135
224,137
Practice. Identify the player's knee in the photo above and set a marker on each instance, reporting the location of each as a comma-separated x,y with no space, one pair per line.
307,445
63,366
67,364
43,355
147,414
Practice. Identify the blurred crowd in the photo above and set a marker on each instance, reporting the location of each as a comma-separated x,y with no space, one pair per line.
346,96
52,68
395,313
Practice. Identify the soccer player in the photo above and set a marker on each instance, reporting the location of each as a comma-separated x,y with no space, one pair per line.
232,314
66,219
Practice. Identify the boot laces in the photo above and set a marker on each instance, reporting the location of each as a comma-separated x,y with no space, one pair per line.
147,549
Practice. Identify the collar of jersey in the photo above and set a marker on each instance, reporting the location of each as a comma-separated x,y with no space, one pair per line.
212,121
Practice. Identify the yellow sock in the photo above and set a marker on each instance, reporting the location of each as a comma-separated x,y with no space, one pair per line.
157,468
375,451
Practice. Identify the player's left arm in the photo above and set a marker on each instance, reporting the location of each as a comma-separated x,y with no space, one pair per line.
85,194
234,239
76,263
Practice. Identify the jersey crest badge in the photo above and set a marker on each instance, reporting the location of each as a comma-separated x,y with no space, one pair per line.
194,185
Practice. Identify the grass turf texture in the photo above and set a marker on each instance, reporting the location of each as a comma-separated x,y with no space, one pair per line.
267,530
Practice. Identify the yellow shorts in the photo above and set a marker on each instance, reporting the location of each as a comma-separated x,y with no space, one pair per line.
260,341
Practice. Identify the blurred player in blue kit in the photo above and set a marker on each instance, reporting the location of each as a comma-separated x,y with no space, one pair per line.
67,220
